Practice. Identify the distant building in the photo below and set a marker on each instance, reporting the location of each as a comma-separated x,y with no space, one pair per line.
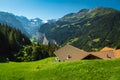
70,53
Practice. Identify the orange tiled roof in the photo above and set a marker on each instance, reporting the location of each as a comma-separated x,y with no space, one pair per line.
117,53
106,49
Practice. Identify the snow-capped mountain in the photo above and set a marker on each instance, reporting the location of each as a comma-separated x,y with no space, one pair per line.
36,22
27,26
11,20
32,25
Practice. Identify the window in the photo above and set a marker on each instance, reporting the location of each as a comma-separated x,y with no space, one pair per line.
68,56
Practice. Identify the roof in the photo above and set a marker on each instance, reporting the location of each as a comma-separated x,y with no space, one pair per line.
106,49
73,52
104,54
68,53
117,53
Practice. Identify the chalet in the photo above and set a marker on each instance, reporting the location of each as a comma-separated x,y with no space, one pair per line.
70,53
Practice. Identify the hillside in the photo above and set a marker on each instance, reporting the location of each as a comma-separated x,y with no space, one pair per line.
87,29
48,69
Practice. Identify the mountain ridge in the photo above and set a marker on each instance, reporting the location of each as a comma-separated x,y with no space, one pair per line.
27,26
84,29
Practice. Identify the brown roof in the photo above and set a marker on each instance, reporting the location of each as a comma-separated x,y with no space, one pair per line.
104,54
106,49
73,52
68,53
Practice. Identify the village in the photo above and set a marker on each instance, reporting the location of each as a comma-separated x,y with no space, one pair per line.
71,53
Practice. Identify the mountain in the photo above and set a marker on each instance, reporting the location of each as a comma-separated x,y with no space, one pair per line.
27,26
88,29
51,20
30,25
10,19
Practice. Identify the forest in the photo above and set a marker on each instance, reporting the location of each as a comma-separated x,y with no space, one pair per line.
15,46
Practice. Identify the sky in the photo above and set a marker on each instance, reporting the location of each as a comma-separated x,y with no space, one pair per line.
52,9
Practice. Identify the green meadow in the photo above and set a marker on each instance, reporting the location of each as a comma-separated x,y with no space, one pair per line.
48,69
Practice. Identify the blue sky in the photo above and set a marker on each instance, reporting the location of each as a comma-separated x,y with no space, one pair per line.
52,9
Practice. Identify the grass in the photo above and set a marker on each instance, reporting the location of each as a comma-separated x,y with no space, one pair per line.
48,69
72,40
96,40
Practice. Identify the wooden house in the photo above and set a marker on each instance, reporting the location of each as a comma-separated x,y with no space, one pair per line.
70,53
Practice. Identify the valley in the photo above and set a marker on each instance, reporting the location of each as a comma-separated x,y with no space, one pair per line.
88,29
59,40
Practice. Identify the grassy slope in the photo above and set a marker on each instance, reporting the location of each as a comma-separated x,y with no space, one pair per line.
48,69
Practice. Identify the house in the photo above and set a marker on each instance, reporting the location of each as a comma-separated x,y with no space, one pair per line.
70,53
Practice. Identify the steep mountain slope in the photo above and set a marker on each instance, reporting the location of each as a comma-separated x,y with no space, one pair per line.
10,19
30,25
88,29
